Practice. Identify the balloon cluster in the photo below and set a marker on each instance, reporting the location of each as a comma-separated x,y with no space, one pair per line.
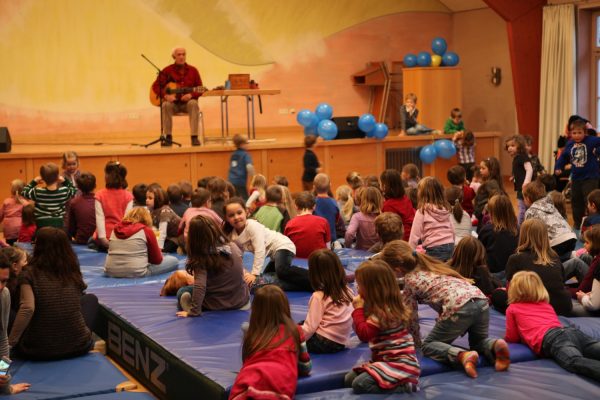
318,122
371,127
443,148
439,57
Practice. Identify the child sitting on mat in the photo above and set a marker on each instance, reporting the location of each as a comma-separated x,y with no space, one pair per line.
328,323
381,318
216,264
273,352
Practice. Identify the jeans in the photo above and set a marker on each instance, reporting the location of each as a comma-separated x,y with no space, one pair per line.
319,345
575,267
442,252
473,318
184,289
522,209
574,351
418,130
291,278
579,193
365,383
168,264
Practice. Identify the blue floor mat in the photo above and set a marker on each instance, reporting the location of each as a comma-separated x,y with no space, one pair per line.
539,379
86,375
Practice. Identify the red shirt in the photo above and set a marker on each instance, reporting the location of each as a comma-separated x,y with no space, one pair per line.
529,322
185,76
309,233
468,197
81,218
26,233
403,207
114,203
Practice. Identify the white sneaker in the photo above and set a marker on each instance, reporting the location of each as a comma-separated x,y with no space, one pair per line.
185,301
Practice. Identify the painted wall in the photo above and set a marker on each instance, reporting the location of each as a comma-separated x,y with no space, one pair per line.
74,67
481,41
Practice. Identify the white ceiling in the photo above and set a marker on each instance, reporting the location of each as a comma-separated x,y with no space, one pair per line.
463,5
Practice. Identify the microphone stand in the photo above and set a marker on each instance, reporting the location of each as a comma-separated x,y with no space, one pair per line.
162,138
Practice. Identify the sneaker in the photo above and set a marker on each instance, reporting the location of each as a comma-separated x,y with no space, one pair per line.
185,301
195,141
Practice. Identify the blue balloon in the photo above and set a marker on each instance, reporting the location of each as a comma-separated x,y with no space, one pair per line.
323,111
327,129
380,131
366,123
310,130
410,60
445,148
450,59
428,154
306,118
439,46
424,59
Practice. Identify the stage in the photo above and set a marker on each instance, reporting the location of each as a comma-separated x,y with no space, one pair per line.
276,151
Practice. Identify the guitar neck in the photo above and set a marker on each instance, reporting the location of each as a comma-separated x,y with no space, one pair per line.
185,90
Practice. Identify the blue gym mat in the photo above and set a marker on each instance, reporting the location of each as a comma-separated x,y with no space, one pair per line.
211,344
90,374
539,379
119,396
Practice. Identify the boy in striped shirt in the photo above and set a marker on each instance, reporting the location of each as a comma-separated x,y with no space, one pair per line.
51,198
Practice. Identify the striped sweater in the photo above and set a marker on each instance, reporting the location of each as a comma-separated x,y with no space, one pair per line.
393,355
49,204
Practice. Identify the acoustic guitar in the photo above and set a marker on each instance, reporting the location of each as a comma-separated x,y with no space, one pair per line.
174,88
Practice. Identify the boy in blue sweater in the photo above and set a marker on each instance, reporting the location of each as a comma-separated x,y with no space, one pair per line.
581,151
240,166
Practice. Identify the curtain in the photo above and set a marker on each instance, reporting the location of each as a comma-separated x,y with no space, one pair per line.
558,77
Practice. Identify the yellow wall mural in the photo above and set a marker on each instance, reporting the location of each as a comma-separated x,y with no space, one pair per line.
70,65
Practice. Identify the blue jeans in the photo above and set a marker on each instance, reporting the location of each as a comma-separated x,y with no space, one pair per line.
575,267
522,209
473,318
574,351
442,252
418,129
168,264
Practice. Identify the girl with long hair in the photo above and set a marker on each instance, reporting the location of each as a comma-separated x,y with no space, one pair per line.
535,254
273,351
462,308
328,322
50,323
469,260
491,184
381,318
461,221
362,224
432,225
251,235
216,264
396,200
500,236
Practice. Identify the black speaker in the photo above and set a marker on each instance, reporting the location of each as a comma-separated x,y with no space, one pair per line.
348,128
5,142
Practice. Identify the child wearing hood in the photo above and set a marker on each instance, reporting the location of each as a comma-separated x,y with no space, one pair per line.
133,249
540,206
432,224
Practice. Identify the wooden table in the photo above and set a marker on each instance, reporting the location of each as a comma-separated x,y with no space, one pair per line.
249,95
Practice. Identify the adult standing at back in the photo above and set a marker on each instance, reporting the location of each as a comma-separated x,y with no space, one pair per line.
185,76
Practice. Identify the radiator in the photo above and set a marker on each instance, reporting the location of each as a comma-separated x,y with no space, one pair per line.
397,158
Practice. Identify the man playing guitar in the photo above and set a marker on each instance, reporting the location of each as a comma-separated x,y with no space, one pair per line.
185,76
